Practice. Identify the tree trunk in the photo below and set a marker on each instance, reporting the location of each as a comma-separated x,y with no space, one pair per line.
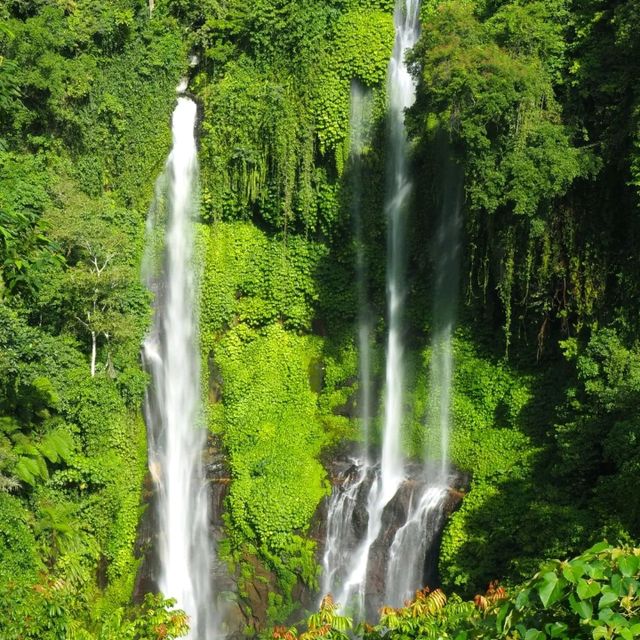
93,353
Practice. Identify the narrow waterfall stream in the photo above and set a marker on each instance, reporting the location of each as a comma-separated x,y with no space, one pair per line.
401,95
405,570
176,439
341,534
445,253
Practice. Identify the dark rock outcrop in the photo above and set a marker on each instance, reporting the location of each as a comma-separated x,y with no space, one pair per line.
342,471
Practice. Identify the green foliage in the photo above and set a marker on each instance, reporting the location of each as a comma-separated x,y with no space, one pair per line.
490,89
272,434
275,125
593,596
540,103
18,550
258,294
154,619
85,94
508,84
45,611
597,435
32,456
364,39
256,280
23,197
325,623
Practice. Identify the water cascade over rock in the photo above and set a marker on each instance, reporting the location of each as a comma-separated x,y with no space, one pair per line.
405,571
381,480
176,439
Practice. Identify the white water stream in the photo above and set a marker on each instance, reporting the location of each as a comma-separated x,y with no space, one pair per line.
176,437
390,473
446,252
405,569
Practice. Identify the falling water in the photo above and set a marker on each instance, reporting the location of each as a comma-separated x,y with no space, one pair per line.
402,96
360,126
341,537
405,570
176,440
389,474
446,258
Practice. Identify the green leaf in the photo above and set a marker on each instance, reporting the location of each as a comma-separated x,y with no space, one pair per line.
548,590
57,445
502,614
616,584
600,632
26,471
628,566
599,547
596,570
574,571
609,596
587,590
630,586
605,615
582,608
556,629
522,599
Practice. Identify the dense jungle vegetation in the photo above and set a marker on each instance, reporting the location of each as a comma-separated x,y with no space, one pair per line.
538,102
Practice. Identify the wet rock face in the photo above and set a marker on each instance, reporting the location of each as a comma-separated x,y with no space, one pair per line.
395,515
245,607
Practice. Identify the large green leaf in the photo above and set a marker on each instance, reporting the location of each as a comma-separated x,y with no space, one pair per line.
628,565
549,591
587,590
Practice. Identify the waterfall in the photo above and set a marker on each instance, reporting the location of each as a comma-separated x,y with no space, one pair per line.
405,570
390,560
446,258
385,478
402,95
173,414
341,537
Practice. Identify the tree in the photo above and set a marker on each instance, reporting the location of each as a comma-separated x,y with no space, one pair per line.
98,245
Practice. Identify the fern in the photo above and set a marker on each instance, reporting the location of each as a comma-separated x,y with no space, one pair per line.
56,446
27,470
31,466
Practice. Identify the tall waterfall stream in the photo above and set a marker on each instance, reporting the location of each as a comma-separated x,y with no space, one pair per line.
173,412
